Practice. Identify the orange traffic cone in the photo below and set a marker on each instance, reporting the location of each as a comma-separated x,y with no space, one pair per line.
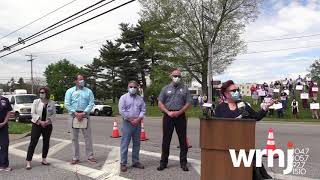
189,145
115,131
143,134
271,144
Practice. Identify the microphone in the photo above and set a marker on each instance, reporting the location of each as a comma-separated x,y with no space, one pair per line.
242,109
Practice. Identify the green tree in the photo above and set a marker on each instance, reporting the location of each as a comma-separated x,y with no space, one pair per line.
111,58
314,70
133,38
191,26
161,74
93,72
60,77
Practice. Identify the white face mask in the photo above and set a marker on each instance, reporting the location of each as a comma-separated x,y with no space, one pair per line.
42,96
176,80
82,83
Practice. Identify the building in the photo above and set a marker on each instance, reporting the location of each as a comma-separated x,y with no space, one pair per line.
245,89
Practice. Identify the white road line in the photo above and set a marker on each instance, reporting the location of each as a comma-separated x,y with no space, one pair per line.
112,163
56,148
19,144
288,177
110,169
77,169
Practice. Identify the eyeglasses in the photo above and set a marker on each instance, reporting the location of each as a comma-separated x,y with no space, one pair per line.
234,90
41,92
176,76
132,87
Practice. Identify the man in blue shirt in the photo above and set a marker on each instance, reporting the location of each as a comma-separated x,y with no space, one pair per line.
132,109
79,101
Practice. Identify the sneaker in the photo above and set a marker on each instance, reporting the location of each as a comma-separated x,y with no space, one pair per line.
138,165
123,168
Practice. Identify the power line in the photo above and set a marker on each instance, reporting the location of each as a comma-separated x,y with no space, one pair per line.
56,25
275,50
37,19
279,39
74,47
117,7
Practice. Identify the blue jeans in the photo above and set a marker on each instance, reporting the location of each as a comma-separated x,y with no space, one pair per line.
129,131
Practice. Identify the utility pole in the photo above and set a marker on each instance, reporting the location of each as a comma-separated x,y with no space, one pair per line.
210,73
31,61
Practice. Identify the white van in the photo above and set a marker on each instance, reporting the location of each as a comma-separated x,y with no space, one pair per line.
21,105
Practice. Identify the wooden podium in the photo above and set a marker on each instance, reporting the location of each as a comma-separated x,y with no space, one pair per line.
219,135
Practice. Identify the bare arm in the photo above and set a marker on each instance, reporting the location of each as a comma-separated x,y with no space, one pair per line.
163,107
184,108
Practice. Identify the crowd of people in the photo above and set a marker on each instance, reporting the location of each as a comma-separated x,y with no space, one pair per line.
287,93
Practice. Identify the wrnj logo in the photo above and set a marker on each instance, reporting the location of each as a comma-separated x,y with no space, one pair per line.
258,154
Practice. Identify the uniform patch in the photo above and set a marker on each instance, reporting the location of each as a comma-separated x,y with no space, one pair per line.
3,103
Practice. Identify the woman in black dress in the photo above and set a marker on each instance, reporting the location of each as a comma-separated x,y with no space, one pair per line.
229,109
295,108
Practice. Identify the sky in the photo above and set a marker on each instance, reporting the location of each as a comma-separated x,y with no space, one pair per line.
277,19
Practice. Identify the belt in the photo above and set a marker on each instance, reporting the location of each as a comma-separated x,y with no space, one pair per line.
79,111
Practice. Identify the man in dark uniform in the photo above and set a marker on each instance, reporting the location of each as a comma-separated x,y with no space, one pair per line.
5,109
174,101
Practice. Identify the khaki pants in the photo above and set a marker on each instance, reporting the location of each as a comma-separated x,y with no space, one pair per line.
75,140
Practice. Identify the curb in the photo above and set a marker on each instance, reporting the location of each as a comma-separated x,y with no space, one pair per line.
14,137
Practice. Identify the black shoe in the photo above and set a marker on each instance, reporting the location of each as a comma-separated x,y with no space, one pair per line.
184,168
161,167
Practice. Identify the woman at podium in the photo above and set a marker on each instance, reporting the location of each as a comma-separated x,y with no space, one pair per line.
233,107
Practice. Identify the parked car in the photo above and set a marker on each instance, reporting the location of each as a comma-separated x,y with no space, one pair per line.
59,107
99,109
21,105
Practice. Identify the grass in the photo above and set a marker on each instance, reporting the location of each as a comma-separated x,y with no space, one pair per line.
19,128
303,116
154,111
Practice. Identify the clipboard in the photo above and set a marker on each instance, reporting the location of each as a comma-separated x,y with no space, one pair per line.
76,124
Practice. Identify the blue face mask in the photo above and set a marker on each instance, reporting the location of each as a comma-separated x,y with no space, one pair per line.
236,96
132,90
81,83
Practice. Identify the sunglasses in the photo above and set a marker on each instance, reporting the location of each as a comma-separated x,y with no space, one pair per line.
234,90
41,92
176,76
132,87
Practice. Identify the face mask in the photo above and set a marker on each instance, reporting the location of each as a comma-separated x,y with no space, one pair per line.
236,96
42,96
132,90
176,80
81,83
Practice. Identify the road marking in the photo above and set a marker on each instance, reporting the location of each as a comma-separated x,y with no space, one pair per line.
58,147
112,163
19,144
110,169
77,169
288,177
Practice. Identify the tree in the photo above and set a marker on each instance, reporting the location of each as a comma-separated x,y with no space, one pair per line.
314,70
161,77
93,72
192,25
111,58
60,77
133,38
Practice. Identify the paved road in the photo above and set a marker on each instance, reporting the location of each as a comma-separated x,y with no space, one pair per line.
107,152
